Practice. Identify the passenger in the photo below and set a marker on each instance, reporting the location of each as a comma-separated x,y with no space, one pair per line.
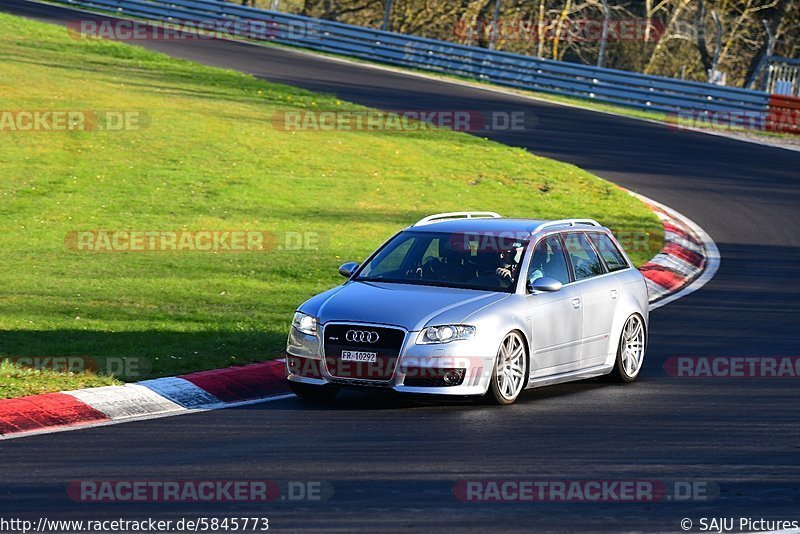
539,263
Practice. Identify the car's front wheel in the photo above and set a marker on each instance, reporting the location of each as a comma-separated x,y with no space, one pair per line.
313,392
510,370
630,351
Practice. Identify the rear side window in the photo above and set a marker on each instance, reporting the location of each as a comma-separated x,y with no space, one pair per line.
585,261
614,259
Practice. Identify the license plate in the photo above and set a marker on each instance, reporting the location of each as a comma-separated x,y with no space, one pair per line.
358,356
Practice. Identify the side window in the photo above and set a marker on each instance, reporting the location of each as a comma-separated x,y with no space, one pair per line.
548,260
609,251
585,261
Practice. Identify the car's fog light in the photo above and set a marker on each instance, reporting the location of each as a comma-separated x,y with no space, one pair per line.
453,376
432,377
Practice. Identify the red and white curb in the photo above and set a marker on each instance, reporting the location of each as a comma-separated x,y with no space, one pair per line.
161,397
688,260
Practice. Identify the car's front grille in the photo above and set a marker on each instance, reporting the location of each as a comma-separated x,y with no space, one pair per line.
375,384
377,343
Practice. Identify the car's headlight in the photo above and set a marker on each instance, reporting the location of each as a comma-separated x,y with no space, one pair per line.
305,323
445,333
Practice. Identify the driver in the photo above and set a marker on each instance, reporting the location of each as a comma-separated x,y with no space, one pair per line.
507,268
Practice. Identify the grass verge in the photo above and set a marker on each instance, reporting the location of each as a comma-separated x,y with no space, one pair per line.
208,158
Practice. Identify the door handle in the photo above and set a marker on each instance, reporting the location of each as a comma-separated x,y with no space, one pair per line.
613,293
576,302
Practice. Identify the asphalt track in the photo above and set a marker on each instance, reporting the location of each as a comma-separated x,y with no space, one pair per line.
393,462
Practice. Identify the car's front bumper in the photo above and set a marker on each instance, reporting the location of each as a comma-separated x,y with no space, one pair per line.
419,369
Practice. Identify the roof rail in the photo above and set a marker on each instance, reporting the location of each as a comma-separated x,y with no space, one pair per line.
457,215
566,222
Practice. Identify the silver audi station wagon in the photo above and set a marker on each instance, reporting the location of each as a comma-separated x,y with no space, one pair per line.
475,304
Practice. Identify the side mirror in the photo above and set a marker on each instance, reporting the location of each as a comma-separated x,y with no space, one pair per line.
348,269
545,284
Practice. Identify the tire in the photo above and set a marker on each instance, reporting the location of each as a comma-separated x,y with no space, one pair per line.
510,372
313,392
630,350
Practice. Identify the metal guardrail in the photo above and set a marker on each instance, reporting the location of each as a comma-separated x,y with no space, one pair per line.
612,86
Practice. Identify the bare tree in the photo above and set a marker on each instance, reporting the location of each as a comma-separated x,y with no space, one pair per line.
700,28
675,40
778,11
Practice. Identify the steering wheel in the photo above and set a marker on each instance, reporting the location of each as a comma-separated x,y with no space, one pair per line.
429,264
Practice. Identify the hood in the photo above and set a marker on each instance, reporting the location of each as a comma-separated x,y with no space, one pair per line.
409,306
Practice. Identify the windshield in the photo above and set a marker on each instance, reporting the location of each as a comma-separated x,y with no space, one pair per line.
469,261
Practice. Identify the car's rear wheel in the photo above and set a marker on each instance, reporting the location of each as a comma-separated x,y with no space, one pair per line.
510,370
630,350
313,392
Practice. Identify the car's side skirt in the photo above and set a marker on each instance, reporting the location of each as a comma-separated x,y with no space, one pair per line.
570,376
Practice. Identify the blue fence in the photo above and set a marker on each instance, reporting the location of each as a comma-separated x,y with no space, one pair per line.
503,68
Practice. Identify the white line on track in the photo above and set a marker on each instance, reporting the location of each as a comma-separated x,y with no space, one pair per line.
52,430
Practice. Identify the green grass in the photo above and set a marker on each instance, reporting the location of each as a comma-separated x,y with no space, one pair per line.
18,381
210,159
